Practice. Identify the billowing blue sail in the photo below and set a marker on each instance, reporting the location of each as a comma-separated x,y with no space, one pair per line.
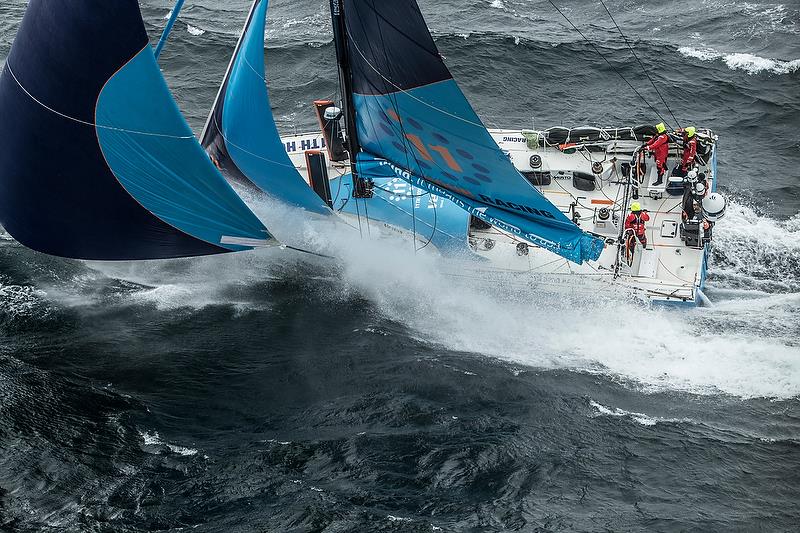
98,163
241,135
410,112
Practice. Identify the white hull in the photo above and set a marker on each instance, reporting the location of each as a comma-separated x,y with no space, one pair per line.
667,271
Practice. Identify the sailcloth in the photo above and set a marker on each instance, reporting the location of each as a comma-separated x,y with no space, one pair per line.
241,135
410,112
98,162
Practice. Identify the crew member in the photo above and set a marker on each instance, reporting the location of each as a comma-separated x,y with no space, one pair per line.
689,150
694,190
659,147
636,222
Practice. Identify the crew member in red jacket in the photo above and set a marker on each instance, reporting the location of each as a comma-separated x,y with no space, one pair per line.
636,222
689,149
659,147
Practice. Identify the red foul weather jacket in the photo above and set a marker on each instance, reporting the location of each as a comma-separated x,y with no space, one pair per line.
689,153
637,222
660,147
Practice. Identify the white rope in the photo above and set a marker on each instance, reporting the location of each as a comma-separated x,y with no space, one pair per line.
92,124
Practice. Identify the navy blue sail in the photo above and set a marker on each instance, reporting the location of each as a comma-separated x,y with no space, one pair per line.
241,136
98,162
409,111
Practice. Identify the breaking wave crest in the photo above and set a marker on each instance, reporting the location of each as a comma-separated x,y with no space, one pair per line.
754,252
750,63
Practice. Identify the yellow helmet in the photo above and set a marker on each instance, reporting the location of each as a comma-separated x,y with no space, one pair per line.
690,131
635,206
660,127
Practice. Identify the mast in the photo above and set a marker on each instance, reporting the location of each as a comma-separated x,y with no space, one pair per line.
360,189
173,16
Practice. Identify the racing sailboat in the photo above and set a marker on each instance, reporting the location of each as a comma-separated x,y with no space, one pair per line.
100,164
412,155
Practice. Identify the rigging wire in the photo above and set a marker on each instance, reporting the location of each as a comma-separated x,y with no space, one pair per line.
396,107
646,73
92,124
608,62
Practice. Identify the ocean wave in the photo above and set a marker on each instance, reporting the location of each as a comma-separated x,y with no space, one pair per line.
195,31
153,440
750,63
757,252
639,418
22,306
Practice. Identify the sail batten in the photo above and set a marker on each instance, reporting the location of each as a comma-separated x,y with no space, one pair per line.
410,111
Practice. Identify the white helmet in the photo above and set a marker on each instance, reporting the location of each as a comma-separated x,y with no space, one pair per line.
714,207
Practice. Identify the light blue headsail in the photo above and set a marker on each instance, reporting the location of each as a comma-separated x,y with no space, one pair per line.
241,135
167,171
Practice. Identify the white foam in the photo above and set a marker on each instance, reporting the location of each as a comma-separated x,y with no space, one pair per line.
152,438
750,63
21,301
519,321
639,418
754,64
513,318
762,253
704,54
181,450
193,30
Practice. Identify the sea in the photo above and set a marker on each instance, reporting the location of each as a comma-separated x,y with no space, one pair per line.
277,391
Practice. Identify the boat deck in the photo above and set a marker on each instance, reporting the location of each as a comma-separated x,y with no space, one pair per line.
667,270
